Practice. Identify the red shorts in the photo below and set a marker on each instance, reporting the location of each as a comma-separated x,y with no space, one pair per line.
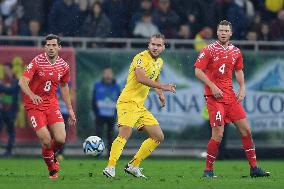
44,118
221,113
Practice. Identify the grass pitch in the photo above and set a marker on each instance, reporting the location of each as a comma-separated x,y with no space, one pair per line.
162,174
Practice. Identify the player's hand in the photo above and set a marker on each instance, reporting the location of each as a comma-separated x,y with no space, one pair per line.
217,93
36,99
169,87
162,99
241,94
72,118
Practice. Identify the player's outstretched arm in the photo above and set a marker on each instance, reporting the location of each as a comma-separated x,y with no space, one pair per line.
142,78
241,81
64,88
24,85
202,76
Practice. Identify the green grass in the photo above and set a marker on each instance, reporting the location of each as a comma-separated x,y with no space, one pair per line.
162,174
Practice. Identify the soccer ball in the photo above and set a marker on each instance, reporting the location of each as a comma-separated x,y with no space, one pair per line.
93,145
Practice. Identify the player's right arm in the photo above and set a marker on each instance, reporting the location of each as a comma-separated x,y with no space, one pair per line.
25,80
24,85
140,65
142,78
160,93
201,65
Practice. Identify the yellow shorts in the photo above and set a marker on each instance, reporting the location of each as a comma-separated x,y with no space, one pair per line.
132,115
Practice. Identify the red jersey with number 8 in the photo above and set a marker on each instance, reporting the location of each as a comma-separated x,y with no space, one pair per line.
44,80
218,63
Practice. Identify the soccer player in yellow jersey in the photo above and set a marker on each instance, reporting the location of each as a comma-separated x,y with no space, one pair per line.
143,73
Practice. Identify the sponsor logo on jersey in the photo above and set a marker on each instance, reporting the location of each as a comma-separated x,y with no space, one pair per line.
216,58
41,73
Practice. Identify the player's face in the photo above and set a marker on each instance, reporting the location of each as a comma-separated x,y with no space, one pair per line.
52,48
224,33
8,72
108,75
156,46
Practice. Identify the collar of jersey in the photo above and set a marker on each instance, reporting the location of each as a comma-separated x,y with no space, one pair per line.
148,54
49,61
223,46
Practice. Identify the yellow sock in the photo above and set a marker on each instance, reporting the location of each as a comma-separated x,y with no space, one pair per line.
116,150
147,147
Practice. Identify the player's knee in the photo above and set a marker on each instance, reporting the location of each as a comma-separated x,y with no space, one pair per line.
60,140
46,142
218,137
245,132
160,137
125,132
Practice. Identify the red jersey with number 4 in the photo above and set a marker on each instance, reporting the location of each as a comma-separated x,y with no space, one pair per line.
218,63
44,80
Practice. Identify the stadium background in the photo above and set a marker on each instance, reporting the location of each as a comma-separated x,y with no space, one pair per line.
91,42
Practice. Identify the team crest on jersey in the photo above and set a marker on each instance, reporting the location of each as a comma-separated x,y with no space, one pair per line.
233,60
59,76
139,62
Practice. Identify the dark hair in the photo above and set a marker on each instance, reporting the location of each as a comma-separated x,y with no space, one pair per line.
225,23
52,36
97,3
158,35
9,65
147,14
107,67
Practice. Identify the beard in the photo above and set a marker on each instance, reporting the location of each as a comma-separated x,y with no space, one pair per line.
51,56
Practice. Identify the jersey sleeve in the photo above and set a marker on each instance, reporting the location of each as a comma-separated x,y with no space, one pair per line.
31,69
161,64
66,77
140,62
239,65
203,59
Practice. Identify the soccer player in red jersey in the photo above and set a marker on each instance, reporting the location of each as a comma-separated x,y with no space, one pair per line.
39,83
214,67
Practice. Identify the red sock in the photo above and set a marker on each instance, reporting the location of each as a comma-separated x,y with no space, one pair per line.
48,156
249,149
56,146
212,151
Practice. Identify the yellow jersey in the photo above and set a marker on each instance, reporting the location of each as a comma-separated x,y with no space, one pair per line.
133,90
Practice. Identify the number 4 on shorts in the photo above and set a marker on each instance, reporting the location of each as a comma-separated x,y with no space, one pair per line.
218,116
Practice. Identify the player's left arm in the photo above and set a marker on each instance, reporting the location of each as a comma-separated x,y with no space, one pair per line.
241,81
239,65
160,93
64,88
